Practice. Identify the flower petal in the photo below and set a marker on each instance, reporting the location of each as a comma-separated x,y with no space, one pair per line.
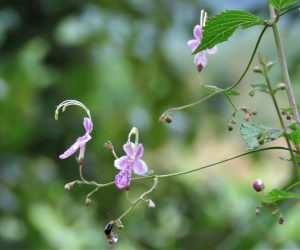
193,44
123,178
83,139
129,149
121,162
212,50
70,150
198,33
88,125
140,167
139,152
200,58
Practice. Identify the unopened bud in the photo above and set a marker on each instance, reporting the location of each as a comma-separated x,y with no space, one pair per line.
258,185
109,145
254,112
281,86
230,127
289,117
252,92
281,219
88,202
69,185
256,69
261,141
257,211
119,224
151,204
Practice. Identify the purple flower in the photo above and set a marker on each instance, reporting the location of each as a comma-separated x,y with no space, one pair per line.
258,185
200,58
127,163
80,142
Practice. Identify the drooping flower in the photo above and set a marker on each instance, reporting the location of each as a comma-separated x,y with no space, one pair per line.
80,142
131,161
200,58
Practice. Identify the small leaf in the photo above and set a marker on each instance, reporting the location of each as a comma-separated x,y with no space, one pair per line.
278,195
256,134
232,92
294,136
262,87
220,27
281,4
214,89
211,89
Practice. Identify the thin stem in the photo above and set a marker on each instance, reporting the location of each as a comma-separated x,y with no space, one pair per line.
141,198
81,175
293,185
219,162
284,68
231,103
272,94
94,191
171,110
289,10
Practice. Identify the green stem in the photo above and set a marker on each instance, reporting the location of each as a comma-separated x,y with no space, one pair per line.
289,10
231,103
284,68
81,175
272,94
169,111
293,185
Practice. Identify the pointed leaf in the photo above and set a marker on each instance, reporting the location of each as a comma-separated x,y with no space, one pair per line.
281,4
220,27
254,133
278,195
294,136
214,89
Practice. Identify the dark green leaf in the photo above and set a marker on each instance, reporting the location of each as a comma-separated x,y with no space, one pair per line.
281,4
256,134
220,27
278,195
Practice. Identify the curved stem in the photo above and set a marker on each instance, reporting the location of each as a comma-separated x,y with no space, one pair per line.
293,185
231,103
289,10
171,110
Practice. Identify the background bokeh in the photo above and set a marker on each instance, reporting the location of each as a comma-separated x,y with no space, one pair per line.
128,62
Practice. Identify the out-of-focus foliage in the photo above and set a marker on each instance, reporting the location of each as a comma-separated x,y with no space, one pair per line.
128,62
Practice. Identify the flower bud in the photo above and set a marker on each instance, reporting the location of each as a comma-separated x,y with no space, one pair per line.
281,86
256,69
109,145
230,127
257,211
69,185
246,117
88,202
281,219
258,185
151,204
288,117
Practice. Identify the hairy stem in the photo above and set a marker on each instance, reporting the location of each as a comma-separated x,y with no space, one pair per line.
284,68
272,94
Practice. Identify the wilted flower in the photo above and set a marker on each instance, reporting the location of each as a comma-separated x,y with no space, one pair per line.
127,163
80,142
200,58
258,185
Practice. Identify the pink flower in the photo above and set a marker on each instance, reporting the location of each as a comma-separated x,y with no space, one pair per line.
127,163
200,58
80,142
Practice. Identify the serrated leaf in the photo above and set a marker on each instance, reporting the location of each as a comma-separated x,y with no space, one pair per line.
278,195
214,89
220,27
294,136
281,4
251,133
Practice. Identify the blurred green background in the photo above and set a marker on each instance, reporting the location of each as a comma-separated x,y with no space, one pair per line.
127,61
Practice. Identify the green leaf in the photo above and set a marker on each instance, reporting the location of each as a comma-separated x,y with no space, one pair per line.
294,136
281,4
256,134
214,89
262,87
220,27
278,195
